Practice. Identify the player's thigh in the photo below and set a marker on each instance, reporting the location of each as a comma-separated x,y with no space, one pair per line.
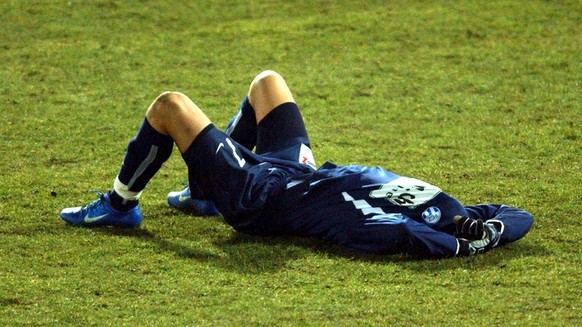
281,128
225,171
268,90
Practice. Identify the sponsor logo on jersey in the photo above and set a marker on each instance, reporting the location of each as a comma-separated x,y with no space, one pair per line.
431,215
406,192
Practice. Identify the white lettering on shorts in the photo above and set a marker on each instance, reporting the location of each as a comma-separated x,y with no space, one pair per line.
241,161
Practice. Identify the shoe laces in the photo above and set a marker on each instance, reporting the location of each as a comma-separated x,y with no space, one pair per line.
97,202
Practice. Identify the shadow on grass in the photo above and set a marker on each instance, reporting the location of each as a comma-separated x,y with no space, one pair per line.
253,254
164,244
309,246
241,253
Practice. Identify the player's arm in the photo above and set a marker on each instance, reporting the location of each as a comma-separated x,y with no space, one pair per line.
517,222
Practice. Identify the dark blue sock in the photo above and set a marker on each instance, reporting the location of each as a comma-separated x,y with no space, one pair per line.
119,203
145,154
242,128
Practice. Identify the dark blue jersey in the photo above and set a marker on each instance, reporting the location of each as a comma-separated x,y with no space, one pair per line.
349,204
370,193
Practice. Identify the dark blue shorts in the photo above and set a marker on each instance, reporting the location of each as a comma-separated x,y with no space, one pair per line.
238,180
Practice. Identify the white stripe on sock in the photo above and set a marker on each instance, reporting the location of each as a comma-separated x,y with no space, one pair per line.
144,165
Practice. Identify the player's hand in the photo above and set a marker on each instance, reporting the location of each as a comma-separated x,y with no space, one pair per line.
469,228
492,231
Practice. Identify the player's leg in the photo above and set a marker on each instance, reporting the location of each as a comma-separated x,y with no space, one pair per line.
175,115
171,118
267,91
242,128
281,131
234,178
267,118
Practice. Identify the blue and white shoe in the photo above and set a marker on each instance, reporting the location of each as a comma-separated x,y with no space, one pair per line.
100,213
182,200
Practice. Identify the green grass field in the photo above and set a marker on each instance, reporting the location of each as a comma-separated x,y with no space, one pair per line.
480,98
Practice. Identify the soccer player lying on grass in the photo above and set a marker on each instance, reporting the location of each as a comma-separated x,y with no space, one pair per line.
278,191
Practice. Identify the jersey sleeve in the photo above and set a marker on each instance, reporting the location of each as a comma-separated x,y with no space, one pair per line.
517,222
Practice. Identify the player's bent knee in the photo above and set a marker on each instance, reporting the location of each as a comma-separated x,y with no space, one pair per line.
172,100
167,103
168,111
268,90
266,77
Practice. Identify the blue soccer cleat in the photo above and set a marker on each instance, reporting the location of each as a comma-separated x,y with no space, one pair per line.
183,201
100,213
